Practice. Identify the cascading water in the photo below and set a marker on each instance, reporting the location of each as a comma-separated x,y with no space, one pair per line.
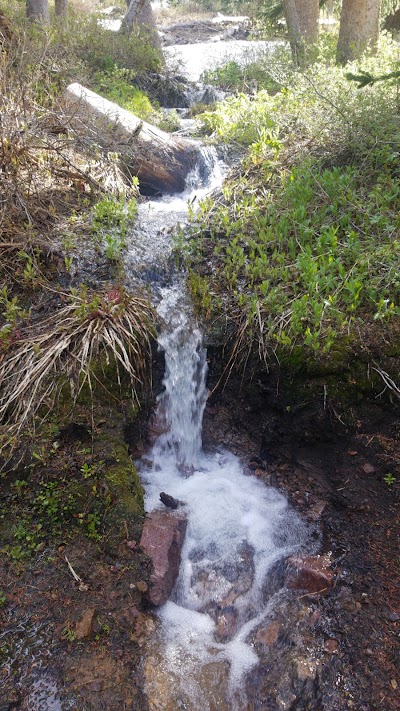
237,530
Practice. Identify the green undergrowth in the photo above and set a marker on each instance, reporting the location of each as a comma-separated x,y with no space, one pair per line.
77,49
111,219
235,77
303,248
118,85
84,484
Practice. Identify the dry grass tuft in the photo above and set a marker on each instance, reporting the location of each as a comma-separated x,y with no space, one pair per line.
73,345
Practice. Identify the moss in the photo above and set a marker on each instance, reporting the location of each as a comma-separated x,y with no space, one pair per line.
126,515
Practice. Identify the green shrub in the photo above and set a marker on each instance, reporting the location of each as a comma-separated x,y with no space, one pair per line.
305,245
234,77
111,219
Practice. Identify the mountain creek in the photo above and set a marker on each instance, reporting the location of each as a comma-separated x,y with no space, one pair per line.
281,585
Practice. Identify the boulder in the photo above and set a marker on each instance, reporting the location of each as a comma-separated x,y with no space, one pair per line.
312,574
162,539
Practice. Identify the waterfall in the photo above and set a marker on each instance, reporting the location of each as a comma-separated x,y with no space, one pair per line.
238,529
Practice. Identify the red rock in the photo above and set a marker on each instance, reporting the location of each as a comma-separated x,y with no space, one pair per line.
268,635
84,627
331,646
162,540
312,574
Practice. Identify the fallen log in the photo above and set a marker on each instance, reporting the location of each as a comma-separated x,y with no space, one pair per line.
160,161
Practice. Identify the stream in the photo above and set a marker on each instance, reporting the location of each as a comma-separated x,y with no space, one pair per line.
238,529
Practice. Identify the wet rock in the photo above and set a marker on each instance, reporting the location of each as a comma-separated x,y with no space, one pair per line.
162,539
142,586
315,511
304,668
331,646
143,627
84,628
169,501
268,635
226,623
346,600
312,574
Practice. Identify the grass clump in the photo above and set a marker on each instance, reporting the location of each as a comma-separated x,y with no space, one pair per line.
305,244
68,347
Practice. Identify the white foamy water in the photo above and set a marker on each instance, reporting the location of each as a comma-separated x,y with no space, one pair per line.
237,530
150,243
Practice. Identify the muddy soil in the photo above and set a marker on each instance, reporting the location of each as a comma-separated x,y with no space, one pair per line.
336,464
72,577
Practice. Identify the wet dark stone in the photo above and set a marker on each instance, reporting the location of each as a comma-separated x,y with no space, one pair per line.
169,501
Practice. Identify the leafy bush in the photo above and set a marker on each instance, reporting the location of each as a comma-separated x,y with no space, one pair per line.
319,104
305,244
235,77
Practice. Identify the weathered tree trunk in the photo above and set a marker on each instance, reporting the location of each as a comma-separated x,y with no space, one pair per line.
38,11
160,161
294,30
61,8
141,13
359,27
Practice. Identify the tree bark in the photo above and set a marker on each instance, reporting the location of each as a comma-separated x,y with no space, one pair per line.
302,20
38,11
61,8
359,27
294,31
141,13
308,12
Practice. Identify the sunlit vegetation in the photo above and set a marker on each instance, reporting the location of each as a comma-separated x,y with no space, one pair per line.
62,186
303,248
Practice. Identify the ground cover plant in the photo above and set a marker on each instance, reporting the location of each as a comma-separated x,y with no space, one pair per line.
303,244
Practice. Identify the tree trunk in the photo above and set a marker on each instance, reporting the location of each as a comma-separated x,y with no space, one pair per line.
359,27
160,161
38,11
294,30
141,13
308,12
61,8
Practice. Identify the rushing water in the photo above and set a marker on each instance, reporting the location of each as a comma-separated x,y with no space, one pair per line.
238,529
